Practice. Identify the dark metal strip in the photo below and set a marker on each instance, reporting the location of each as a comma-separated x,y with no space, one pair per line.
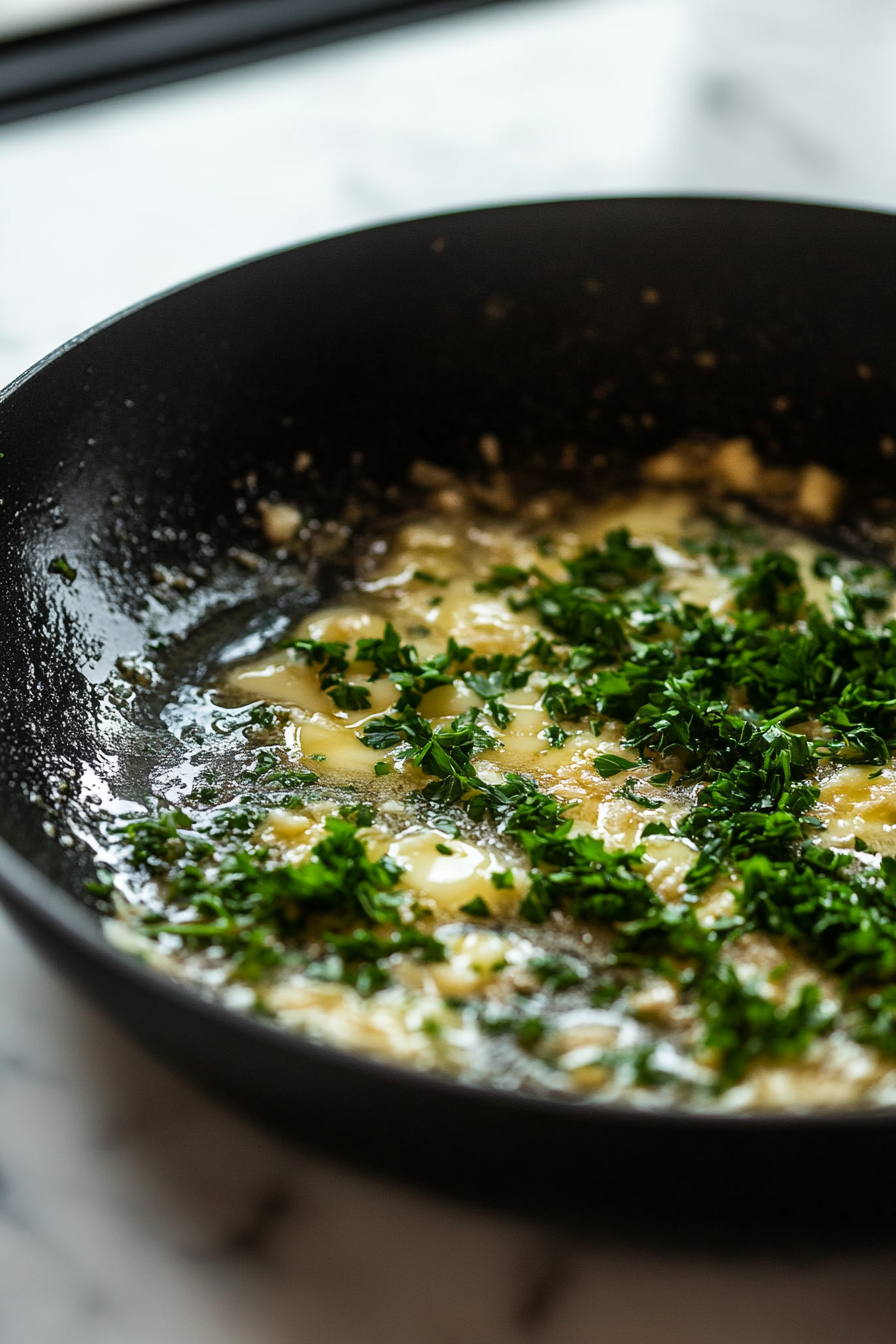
66,67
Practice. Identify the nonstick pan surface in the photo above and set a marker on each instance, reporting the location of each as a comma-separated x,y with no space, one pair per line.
617,326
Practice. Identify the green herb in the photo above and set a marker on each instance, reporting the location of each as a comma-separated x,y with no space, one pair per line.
557,972
773,586
476,907
59,565
722,550
361,958
491,678
249,905
741,1025
260,715
754,797
618,565
826,565
330,660
265,762
542,652
859,590
156,841
876,1023
589,880
530,1032
366,945
622,647
629,792
502,576
103,886
347,696
846,920
608,765
399,662
443,752
359,814
328,656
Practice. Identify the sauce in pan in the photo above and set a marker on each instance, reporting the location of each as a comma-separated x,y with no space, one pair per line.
596,803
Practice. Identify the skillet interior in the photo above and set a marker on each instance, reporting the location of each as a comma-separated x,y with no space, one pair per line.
121,452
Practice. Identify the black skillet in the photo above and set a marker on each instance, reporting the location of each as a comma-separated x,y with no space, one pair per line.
128,450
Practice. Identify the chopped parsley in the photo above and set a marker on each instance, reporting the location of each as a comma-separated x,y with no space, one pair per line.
361,958
742,1025
59,565
609,765
477,908
741,707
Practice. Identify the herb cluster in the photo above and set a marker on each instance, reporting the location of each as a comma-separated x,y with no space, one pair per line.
745,705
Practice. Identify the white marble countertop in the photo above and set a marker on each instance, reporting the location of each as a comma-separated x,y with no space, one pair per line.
132,1209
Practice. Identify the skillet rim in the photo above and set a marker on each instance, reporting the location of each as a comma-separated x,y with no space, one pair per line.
536,203
25,890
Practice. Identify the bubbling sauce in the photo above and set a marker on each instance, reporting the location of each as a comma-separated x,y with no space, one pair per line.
605,814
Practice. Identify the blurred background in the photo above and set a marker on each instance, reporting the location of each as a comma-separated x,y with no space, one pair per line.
28,16
132,1210
104,203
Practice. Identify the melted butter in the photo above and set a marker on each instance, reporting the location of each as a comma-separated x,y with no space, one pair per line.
475,960
719,901
341,625
457,555
293,834
283,681
447,881
446,702
834,1072
651,516
481,621
395,1025
567,771
287,680
333,748
410,1022
854,804
666,862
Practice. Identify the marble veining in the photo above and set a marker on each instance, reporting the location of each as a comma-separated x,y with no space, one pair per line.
133,1209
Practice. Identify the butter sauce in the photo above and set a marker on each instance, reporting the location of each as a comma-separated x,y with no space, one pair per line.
547,1006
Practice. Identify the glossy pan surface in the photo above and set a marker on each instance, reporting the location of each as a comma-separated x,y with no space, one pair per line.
121,451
